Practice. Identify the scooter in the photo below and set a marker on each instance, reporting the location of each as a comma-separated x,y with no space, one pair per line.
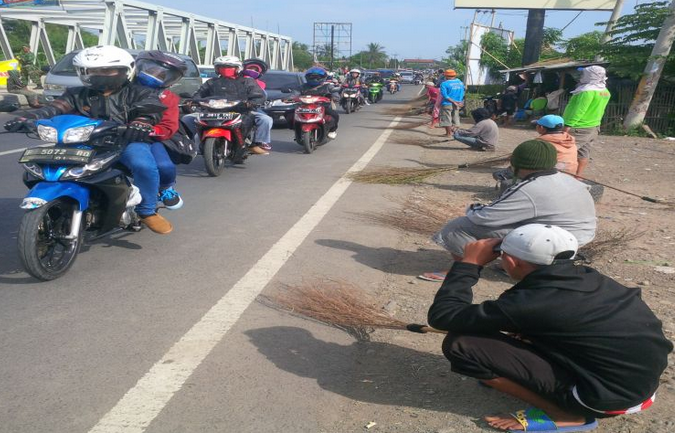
375,92
310,121
392,86
219,126
350,98
76,187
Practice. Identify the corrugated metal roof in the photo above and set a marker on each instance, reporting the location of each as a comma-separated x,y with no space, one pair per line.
553,64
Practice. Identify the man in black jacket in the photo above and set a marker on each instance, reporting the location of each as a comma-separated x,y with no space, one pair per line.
571,342
230,85
107,93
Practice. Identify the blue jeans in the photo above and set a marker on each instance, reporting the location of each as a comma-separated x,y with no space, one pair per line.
263,122
469,141
166,167
139,159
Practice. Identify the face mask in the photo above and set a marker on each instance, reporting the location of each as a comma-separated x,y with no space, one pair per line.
251,73
228,72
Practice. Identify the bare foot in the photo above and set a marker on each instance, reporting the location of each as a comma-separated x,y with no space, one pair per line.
508,422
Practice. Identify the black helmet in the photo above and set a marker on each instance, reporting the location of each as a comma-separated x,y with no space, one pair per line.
262,66
159,69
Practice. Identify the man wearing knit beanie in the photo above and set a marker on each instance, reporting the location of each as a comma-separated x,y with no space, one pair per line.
541,195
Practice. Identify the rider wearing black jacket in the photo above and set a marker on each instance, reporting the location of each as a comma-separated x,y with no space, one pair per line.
317,86
117,106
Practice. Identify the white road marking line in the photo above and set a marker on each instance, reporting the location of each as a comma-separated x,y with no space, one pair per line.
142,403
8,152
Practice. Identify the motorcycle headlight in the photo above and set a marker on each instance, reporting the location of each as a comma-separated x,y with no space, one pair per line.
47,133
92,167
34,169
78,135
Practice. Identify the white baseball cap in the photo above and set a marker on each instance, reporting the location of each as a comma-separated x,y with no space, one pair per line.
539,244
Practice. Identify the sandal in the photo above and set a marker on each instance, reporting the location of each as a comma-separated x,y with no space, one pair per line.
534,419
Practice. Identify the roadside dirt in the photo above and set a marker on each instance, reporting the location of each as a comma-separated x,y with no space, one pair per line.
407,374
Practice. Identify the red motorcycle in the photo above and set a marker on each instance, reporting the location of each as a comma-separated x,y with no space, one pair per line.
310,121
220,132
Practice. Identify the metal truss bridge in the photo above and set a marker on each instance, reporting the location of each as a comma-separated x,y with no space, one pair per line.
138,25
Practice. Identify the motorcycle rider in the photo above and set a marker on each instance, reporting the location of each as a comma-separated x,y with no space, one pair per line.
317,85
107,93
353,79
160,71
255,68
229,84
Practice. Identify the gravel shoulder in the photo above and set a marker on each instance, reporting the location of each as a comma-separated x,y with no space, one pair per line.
401,381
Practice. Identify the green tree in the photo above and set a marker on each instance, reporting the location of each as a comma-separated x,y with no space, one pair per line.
583,47
302,58
374,55
457,57
18,33
632,40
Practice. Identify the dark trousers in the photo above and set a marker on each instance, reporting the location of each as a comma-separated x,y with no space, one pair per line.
491,356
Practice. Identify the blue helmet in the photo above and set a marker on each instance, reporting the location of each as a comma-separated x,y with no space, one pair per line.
315,76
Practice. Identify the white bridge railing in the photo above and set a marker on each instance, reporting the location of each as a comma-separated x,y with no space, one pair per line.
135,24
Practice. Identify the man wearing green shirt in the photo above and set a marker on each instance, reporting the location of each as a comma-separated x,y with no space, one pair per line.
583,114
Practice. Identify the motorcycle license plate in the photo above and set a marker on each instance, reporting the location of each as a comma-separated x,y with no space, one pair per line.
218,116
57,154
308,110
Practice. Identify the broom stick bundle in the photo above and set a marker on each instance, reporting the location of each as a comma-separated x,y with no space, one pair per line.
338,304
412,175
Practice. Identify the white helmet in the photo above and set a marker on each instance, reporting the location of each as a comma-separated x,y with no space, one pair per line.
104,67
355,70
228,61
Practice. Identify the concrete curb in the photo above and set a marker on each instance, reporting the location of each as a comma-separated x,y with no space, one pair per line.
11,98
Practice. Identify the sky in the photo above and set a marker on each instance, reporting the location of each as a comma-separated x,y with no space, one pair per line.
406,28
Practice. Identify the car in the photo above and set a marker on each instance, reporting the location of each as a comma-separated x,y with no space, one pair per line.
206,72
63,75
280,85
407,77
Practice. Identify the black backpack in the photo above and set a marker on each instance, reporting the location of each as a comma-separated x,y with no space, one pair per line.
181,147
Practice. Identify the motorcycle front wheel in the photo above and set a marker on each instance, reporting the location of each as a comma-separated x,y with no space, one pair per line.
214,156
43,249
308,141
348,107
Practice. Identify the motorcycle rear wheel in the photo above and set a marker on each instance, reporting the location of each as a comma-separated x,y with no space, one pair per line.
214,156
43,252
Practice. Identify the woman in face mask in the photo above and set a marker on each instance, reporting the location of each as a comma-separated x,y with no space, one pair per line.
254,69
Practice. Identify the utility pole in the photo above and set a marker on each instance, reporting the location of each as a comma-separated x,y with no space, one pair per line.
332,46
616,13
652,73
533,36
492,21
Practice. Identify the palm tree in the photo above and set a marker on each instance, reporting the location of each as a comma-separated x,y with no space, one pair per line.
375,54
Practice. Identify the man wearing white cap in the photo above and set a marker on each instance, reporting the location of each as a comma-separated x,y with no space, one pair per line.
573,344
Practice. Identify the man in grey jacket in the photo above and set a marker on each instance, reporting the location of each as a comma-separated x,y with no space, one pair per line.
542,195
483,136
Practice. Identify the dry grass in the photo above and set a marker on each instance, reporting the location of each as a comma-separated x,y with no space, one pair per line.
416,141
414,175
607,241
334,303
421,216
409,125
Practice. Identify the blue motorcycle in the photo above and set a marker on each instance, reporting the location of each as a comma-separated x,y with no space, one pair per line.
76,187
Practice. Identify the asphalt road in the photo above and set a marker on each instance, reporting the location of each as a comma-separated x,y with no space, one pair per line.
72,348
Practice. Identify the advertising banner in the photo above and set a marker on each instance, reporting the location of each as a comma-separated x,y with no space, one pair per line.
577,5
27,3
